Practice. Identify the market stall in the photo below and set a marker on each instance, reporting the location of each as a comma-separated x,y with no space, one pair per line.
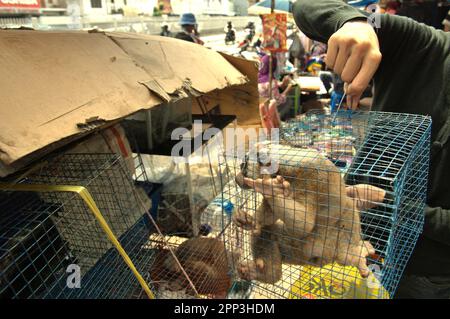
74,177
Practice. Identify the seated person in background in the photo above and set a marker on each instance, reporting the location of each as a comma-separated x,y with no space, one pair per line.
263,82
165,32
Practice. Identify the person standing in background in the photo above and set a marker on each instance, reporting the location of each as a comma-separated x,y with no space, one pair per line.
165,32
446,22
392,7
264,81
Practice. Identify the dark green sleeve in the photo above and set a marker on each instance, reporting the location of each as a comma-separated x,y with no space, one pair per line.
319,19
410,50
437,224
400,35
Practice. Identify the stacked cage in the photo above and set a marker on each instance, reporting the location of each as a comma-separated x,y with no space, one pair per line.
58,243
333,211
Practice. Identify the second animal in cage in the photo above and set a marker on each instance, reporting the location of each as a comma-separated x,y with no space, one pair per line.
307,215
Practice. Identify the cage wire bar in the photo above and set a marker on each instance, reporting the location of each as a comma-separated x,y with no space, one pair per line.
87,198
42,232
366,173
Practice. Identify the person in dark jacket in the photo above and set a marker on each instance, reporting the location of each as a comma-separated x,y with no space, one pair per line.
410,65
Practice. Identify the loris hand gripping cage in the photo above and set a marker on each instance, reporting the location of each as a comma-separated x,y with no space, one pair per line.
341,212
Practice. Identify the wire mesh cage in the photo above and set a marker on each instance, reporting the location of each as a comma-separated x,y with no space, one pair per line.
333,211
45,234
191,261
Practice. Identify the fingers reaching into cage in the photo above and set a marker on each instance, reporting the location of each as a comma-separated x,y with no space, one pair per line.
355,255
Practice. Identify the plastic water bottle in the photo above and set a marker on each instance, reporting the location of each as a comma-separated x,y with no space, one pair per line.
213,216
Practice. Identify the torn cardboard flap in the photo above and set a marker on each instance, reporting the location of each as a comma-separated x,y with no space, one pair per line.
171,62
241,100
156,88
51,82
181,60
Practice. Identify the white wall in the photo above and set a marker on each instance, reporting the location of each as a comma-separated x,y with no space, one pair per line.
143,6
87,10
202,6
134,6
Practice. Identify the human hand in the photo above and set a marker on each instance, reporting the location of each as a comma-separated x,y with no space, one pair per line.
365,196
354,54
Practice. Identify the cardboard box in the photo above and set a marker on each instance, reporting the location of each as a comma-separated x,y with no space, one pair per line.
60,86
241,100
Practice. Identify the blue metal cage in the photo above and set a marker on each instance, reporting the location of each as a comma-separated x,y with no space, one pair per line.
391,151
385,150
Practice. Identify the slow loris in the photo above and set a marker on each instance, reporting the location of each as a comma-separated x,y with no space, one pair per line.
204,260
306,217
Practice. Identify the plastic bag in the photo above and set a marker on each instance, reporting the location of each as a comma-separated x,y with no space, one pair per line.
336,282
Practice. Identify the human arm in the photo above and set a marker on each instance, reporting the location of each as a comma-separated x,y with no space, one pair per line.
355,48
437,219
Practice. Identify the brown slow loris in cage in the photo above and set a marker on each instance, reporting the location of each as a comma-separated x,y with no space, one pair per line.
306,217
204,260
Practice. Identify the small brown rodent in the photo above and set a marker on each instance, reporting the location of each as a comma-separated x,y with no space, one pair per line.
204,260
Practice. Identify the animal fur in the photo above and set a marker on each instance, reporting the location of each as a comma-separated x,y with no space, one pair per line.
306,217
